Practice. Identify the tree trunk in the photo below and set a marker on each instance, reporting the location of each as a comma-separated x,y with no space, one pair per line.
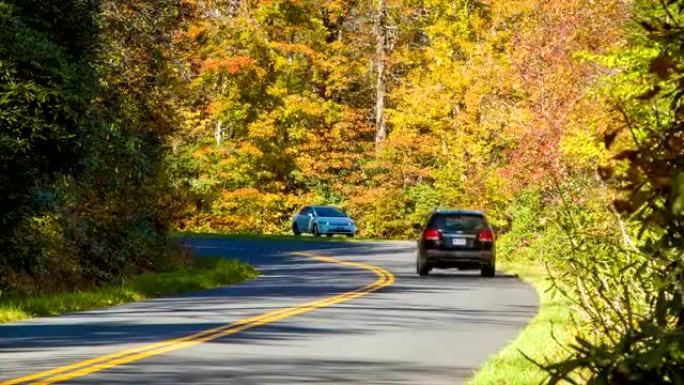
218,133
233,8
380,62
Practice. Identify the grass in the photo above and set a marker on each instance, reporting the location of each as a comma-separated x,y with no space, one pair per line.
509,366
207,273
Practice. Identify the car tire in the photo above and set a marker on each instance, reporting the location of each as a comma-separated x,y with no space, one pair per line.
328,235
295,229
314,231
423,269
350,235
488,271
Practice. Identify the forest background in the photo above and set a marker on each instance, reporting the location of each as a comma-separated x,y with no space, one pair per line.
122,121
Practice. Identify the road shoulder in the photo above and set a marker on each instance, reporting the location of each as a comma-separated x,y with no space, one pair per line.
538,340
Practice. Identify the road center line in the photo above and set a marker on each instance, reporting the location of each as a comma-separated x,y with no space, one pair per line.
82,368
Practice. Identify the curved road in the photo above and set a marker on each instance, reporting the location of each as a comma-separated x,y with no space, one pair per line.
434,330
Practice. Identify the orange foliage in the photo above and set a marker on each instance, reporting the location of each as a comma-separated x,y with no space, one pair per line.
555,82
231,65
294,48
205,151
196,30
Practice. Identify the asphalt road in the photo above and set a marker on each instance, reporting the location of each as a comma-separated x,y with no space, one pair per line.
434,330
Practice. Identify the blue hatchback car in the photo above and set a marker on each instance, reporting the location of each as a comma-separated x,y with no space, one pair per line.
323,220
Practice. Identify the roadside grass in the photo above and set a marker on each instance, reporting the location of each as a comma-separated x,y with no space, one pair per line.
206,273
509,366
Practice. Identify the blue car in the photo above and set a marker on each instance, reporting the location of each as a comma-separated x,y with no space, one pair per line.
323,220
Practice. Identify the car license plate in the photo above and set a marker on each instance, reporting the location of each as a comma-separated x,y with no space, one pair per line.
458,242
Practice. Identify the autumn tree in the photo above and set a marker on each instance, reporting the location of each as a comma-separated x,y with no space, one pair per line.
637,311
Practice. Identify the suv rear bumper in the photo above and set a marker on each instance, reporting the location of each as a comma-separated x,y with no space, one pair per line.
458,258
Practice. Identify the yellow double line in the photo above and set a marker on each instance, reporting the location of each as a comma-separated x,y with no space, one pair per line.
82,368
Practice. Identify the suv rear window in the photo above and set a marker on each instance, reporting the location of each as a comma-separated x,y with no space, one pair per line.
458,222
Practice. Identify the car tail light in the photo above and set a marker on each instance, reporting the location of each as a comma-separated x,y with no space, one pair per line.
486,236
431,235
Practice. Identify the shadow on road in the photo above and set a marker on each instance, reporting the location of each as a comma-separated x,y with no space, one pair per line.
290,371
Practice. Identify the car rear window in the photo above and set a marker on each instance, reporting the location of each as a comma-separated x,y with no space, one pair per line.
458,222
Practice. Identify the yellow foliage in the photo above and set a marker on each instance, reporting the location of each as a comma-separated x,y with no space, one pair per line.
294,48
249,210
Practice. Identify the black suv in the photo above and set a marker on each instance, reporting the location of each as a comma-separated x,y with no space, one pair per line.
459,239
